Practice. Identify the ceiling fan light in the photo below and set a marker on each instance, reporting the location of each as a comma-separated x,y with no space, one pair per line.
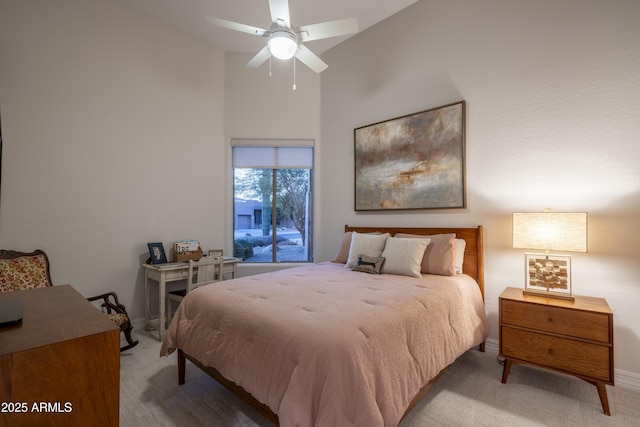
283,44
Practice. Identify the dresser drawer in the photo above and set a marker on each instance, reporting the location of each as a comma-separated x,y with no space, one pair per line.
575,323
576,357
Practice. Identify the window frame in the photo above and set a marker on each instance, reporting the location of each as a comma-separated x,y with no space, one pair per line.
308,147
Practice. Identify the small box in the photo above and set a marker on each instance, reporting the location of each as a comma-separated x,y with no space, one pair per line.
186,256
186,250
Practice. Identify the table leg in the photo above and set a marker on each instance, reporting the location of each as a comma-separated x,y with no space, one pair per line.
506,369
161,310
147,296
602,392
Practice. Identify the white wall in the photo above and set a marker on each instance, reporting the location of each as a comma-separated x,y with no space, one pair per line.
263,107
113,137
100,104
553,100
259,106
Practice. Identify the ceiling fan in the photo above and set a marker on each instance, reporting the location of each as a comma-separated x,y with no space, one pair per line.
285,41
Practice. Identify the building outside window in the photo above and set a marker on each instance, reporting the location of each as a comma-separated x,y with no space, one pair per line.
272,200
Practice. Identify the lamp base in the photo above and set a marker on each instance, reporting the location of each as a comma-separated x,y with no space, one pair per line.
548,275
548,294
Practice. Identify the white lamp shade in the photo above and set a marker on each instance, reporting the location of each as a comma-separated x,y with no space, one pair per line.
283,44
550,231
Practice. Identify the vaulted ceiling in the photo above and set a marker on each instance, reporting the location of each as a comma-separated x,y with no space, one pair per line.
188,15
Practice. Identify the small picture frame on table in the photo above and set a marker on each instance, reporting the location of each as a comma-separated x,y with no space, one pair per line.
548,275
156,250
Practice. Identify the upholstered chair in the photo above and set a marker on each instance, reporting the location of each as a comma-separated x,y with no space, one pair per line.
23,270
29,270
117,313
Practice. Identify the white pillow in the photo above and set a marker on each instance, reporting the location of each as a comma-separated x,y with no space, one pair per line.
365,244
461,245
403,256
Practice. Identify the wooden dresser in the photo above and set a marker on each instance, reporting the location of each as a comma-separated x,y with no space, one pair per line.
572,337
61,365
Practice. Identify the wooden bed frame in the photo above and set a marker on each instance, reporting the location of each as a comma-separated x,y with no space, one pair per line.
473,266
473,255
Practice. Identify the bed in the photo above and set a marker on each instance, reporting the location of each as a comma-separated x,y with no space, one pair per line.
326,345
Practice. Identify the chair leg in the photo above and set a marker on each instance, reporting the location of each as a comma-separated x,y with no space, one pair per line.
132,343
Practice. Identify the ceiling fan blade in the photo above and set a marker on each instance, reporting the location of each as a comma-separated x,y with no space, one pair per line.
324,30
259,59
236,26
280,12
310,59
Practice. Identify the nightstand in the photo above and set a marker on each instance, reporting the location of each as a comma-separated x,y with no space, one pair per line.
572,337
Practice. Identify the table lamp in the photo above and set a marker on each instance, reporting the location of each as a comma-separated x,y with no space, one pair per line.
547,274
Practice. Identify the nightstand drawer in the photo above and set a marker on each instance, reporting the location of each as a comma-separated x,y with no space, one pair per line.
574,323
576,357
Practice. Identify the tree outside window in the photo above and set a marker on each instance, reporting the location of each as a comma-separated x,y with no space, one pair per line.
272,206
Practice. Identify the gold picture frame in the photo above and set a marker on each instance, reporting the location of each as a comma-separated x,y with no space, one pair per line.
415,161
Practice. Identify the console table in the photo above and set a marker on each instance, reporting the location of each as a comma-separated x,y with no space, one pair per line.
170,272
61,364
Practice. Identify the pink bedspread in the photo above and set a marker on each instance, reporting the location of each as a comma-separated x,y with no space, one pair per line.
325,346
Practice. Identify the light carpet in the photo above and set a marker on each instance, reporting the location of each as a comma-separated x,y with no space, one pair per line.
469,393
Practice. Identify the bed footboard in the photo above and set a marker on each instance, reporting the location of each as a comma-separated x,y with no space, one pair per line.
263,409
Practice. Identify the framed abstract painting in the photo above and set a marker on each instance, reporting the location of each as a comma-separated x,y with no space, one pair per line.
415,161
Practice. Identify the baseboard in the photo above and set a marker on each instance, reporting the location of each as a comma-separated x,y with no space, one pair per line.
627,380
491,346
623,379
138,323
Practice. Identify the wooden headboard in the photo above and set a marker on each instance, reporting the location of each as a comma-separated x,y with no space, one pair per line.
473,255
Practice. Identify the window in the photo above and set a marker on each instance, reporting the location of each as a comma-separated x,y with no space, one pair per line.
272,187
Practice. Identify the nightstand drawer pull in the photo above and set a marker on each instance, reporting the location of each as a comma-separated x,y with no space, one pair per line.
550,319
550,351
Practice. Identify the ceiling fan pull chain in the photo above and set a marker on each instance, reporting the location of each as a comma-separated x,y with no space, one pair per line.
270,75
294,73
